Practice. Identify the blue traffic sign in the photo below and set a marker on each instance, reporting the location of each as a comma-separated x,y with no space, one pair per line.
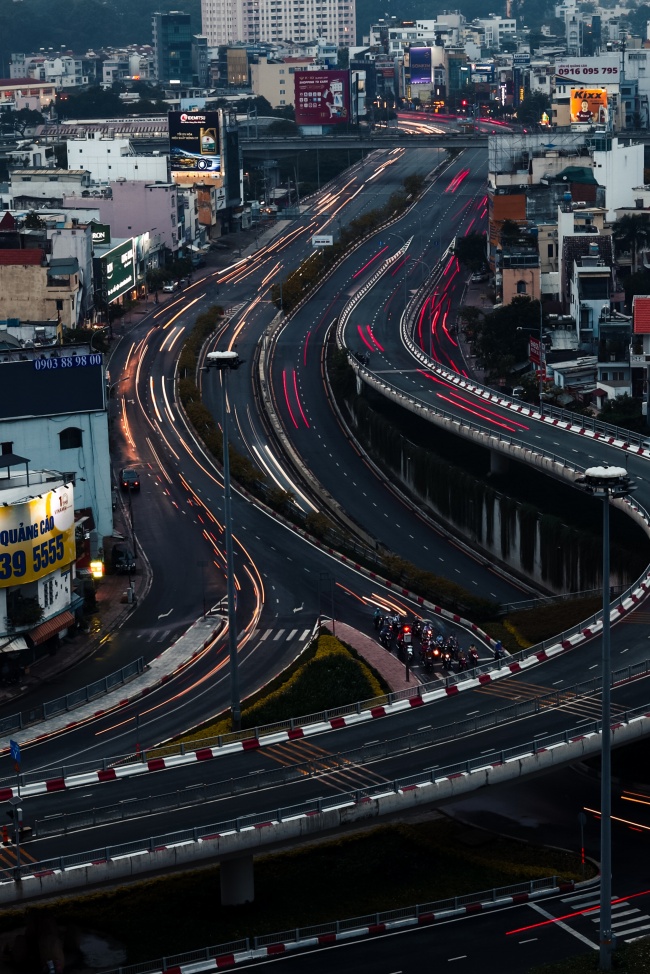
14,747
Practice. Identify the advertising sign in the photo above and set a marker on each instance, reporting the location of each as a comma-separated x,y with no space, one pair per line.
118,270
420,64
595,71
534,350
589,105
36,537
101,234
194,143
322,97
322,240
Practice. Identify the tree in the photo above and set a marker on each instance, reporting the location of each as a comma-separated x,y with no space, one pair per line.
20,121
533,107
630,233
33,221
470,251
343,58
501,339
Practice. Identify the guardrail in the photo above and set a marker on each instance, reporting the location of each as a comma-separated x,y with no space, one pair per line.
71,700
59,824
334,928
332,802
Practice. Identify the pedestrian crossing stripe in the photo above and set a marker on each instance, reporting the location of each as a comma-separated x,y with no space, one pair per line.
278,634
590,903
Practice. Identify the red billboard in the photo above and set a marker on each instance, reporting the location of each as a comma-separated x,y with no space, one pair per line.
322,97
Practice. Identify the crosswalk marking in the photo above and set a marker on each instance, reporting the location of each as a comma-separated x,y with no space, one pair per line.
281,633
624,928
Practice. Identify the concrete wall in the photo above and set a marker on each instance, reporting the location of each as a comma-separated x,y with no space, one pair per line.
110,159
135,208
24,294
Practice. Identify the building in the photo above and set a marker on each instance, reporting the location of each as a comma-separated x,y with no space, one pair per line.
17,93
32,188
108,158
274,21
34,286
38,551
131,208
61,70
172,44
274,79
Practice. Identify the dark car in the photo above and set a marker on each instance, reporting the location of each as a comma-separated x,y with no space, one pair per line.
129,479
122,559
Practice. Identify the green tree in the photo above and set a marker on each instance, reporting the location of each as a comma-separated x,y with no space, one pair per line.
532,108
33,221
470,251
501,338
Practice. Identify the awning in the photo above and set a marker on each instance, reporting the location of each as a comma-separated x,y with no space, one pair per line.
15,645
50,628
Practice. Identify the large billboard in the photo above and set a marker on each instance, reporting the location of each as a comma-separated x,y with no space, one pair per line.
420,65
118,271
589,105
596,71
322,97
36,537
194,144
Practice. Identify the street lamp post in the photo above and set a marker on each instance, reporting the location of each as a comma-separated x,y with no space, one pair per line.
605,483
224,362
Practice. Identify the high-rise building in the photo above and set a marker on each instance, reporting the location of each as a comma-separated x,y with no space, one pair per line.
172,43
273,21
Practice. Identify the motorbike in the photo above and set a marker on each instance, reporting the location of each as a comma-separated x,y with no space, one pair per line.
472,658
446,660
385,637
463,663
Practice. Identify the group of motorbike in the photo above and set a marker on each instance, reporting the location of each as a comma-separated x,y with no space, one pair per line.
434,648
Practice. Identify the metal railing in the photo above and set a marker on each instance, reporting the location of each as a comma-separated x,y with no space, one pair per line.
332,802
61,823
71,700
334,927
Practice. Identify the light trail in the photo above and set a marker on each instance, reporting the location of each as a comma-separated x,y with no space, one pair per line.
286,396
295,389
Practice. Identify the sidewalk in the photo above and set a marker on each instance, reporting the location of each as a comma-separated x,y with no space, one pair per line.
475,296
388,666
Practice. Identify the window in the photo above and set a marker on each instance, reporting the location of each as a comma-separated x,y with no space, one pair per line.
7,447
70,438
522,287
550,250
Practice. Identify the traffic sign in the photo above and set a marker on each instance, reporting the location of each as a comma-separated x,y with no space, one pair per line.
14,747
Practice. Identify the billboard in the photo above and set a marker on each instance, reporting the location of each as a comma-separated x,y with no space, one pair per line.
420,64
593,71
194,145
37,536
118,271
589,105
101,234
322,97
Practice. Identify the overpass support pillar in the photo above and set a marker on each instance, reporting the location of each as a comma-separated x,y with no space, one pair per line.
237,881
498,464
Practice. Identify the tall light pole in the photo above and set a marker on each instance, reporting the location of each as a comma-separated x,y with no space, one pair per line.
606,482
224,362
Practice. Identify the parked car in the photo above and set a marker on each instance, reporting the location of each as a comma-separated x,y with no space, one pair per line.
129,479
170,286
122,560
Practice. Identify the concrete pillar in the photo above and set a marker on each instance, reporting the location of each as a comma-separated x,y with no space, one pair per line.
237,881
498,463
